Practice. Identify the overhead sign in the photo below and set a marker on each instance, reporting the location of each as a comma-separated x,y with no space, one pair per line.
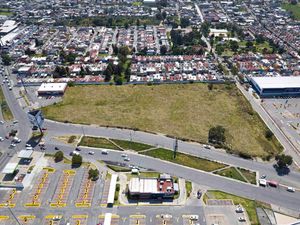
36,118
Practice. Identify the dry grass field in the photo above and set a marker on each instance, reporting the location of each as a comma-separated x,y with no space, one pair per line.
183,110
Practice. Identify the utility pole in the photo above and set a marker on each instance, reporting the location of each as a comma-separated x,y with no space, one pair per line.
175,147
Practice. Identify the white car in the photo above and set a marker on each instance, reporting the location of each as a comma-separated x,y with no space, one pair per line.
1,139
124,155
28,145
239,209
13,145
91,153
207,146
127,159
1,122
290,189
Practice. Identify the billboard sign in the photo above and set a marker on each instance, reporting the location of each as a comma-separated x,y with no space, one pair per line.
36,118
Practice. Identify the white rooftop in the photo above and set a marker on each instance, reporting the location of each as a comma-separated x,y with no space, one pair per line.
143,185
25,154
277,82
9,168
52,87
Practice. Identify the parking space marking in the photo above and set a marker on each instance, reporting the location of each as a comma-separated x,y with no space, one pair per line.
52,219
79,220
63,189
186,219
105,193
35,198
163,219
86,192
26,219
137,219
10,199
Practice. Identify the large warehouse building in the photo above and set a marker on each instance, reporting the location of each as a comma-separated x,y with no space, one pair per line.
268,87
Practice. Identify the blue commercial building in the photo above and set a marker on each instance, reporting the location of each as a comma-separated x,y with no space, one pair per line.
268,87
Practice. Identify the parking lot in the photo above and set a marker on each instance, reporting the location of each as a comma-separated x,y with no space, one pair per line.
79,220
137,220
52,219
286,115
164,219
115,219
86,191
40,188
63,189
105,191
10,198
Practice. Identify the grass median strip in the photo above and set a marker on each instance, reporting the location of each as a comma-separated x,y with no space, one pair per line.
97,142
250,175
248,204
184,159
231,172
7,115
131,145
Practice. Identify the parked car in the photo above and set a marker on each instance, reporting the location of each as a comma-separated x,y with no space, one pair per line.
242,219
194,217
91,153
56,148
127,159
1,139
13,145
239,209
77,149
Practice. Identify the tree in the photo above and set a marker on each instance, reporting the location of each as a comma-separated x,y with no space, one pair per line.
184,22
269,134
58,156
217,135
234,70
234,46
76,160
249,44
6,59
210,86
93,174
163,50
284,160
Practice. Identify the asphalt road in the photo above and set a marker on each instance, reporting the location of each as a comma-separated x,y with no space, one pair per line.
57,129
277,196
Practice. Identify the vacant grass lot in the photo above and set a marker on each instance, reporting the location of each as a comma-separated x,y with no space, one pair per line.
231,172
184,159
249,205
186,111
7,115
97,142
